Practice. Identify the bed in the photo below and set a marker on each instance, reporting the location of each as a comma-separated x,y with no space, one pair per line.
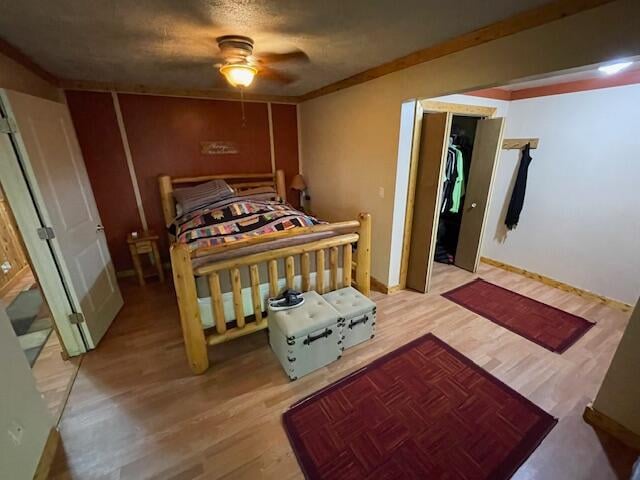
229,256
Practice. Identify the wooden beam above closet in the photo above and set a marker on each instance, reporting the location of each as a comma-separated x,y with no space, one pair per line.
519,143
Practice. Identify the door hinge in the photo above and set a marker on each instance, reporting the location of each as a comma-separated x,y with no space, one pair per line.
46,233
76,318
7,126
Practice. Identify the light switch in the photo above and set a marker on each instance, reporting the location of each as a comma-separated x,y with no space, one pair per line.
381,192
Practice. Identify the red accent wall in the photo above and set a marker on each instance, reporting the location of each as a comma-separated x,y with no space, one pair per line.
96,126
164,135
285,142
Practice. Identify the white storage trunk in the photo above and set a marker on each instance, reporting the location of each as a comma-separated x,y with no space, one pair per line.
359,313
307,337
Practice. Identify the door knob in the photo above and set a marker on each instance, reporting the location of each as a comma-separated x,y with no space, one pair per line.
99,228
474,205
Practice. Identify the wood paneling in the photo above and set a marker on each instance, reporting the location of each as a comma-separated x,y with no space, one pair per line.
164,135
285,139
11,248
96,126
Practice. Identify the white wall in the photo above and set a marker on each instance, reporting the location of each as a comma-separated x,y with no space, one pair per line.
619,394
20,405
581,220
349,139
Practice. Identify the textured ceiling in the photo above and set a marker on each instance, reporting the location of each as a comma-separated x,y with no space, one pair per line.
171,43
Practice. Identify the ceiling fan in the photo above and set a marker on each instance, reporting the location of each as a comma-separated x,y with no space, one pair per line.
239,65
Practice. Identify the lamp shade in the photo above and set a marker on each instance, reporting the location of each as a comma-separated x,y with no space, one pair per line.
298,183
238,75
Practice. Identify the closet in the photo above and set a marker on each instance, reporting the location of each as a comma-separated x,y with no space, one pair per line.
458,147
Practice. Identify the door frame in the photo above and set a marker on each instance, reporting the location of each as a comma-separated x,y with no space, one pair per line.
428,106
23,197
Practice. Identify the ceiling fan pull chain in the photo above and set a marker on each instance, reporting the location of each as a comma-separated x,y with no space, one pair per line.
244,123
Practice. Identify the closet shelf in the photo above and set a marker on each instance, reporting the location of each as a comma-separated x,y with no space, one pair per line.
519,143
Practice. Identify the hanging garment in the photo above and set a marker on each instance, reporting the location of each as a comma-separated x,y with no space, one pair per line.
517,197
449,179
458,187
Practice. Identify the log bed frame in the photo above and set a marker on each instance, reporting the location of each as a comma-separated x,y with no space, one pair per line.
196,340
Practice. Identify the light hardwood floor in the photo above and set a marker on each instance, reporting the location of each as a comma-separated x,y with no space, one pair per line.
137,412
53,375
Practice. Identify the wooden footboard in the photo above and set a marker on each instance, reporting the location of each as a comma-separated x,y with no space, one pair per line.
357,232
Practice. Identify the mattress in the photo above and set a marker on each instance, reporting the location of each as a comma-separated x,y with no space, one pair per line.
204,297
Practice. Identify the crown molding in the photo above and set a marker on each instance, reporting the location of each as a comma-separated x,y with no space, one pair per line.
139,89
517,23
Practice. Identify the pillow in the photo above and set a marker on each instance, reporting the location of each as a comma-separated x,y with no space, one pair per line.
190,198
259,193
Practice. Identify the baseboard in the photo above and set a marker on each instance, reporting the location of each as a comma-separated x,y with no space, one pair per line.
48,454
605,423
381,287
625,307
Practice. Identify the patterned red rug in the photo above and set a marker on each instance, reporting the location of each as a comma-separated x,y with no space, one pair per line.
548,326
423,411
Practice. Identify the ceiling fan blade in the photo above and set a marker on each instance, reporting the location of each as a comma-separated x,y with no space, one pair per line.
276,76
293,56
191,65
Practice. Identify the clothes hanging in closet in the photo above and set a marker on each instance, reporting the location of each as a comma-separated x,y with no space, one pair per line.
453,181
517,197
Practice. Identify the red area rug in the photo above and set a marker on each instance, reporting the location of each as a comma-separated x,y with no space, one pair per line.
548,326
423,411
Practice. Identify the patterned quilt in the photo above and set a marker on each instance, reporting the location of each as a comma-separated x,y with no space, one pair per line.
236,218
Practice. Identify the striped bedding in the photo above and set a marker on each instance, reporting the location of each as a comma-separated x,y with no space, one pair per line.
235,218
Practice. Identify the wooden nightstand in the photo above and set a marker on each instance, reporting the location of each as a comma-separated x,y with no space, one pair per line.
145,242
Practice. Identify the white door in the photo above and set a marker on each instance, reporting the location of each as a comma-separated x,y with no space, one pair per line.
58,178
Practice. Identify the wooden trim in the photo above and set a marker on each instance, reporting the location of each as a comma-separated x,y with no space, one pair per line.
16,277
565,287
129,157
519,143
47,455
231,95
435,106
379,286
18,56
272,146
411,193
603,422
516,23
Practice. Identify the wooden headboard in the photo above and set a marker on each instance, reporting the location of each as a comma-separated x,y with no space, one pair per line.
239,181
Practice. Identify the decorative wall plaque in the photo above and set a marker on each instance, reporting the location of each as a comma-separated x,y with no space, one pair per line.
218,148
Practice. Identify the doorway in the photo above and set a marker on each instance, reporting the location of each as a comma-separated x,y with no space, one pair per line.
456,148
20,291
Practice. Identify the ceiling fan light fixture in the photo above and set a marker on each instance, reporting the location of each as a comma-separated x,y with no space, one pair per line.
238,74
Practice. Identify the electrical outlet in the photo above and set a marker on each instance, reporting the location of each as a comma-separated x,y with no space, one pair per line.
381,192
15,432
